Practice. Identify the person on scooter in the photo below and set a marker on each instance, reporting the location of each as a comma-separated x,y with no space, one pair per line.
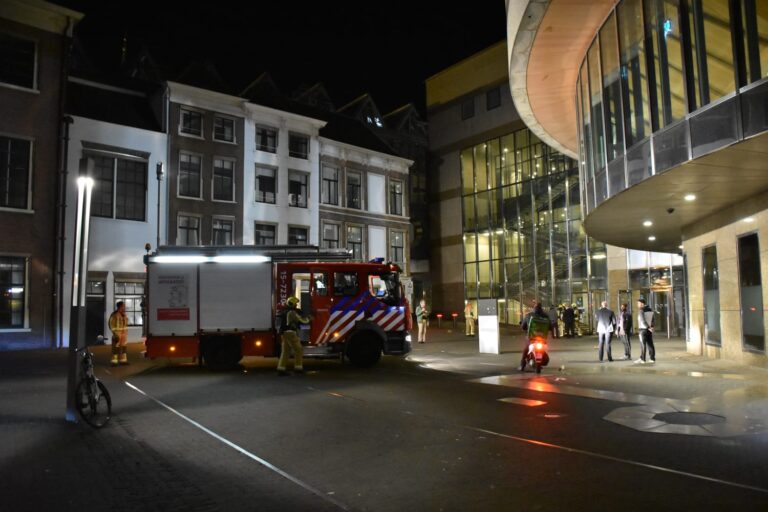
536,325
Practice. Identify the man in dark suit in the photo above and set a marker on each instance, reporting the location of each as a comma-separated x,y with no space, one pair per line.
606,325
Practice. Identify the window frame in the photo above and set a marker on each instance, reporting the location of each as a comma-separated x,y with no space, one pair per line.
271,129
132,296
178,176
323,240
256,230
361,227
213,179
390,194
222,218
306,184
294,136
361,191
35,67
332,186
217,117
467,108
116,158
306,234
182,133
30,171
178,228
24,327
391,246
495,91
256,180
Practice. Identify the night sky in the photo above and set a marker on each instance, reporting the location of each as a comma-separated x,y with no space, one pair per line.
386,48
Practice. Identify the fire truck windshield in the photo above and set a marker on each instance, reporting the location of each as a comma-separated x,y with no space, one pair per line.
385,286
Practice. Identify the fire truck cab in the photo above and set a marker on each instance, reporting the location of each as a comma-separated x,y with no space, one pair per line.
219,305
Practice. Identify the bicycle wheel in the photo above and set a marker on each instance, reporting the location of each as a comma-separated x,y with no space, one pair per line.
95,410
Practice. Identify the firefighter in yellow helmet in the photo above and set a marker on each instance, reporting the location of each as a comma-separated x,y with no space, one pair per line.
118,324
289,338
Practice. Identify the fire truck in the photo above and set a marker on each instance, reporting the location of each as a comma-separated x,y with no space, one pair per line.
217,305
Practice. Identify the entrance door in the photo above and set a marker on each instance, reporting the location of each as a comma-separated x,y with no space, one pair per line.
660,306
94,320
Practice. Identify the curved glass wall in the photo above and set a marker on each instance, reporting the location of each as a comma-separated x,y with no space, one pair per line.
666,81
523,238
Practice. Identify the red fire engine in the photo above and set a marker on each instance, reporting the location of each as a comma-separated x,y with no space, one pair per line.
220,304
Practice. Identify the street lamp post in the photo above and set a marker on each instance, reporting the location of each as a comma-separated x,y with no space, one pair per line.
159,171
79,280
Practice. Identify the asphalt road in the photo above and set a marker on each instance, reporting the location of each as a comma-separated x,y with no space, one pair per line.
398,437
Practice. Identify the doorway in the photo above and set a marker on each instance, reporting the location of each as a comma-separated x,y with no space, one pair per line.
94,319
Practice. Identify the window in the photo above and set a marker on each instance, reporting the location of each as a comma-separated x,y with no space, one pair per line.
321,284
751,288
397,247
264,234
95,288
614,130
188,230
224,129
266,139
395,197
345,284
298,146
468,109
754,15
634,76
711,296
14,173
191,122
120,188
17,61
132,294
330,236
223,179
297,236
493,98
329,193
297,189
13,277
265,185
222,231
355,241
354,190
712,50
190,175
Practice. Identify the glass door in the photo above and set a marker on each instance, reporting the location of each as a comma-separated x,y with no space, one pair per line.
660,306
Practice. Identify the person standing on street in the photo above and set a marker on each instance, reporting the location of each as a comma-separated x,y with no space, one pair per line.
624,330
422,318
645,325
552,314
606,325
569,319
469,319
118,324
289,339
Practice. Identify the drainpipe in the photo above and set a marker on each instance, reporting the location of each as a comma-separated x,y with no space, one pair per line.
61,185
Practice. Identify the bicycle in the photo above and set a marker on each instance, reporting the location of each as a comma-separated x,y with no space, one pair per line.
91,396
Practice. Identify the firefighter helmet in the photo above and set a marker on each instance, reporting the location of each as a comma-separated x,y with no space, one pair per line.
292,302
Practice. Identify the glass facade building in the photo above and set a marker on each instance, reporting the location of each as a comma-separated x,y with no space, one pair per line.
522,227
667,81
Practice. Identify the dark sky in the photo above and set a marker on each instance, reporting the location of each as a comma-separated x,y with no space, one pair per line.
386,48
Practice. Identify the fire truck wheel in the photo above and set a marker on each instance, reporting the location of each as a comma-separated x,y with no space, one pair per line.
364,349
222,354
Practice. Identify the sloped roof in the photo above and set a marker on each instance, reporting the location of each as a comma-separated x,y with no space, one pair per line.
203,75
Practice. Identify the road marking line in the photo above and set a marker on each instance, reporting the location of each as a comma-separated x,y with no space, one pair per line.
243,451
616,459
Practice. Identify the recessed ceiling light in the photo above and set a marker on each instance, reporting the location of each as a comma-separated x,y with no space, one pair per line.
690,197
651,238
749,219
647,223
679,246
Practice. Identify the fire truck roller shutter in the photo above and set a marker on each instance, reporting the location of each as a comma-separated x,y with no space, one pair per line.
363,348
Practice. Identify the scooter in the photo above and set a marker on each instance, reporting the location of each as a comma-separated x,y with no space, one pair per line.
537,353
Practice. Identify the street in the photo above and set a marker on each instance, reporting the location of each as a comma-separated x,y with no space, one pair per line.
444,429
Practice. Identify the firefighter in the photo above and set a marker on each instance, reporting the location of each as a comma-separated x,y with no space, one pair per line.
118,324
289,338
